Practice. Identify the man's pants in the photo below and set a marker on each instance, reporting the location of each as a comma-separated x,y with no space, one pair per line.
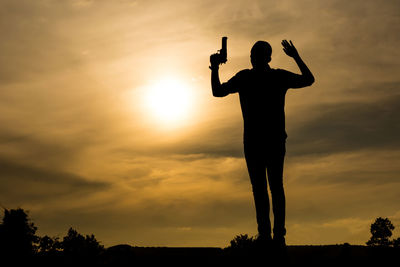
261,157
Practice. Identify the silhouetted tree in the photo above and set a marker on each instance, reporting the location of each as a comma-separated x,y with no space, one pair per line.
381,230
76,245
49,245
396,242
17,234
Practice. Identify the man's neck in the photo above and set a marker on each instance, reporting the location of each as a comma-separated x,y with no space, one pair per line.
261,69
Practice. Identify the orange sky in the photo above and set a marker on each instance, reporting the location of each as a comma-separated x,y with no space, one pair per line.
80,147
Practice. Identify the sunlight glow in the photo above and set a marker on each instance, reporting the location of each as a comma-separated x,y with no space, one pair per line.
170,101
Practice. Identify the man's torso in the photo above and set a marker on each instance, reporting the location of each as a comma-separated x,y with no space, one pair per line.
262,99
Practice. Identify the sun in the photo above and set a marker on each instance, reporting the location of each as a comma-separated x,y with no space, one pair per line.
169,101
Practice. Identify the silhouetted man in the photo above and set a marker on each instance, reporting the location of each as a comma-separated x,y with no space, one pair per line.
262,91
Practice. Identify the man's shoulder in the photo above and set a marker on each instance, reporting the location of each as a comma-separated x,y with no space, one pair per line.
273,70
279,71
282,72
243,73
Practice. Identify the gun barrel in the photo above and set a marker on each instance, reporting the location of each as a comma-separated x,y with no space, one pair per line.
223,50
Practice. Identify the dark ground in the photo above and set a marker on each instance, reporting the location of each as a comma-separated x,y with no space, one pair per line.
334,255
125,255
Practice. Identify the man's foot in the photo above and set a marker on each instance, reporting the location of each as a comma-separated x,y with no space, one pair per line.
279,247
279,242
263,242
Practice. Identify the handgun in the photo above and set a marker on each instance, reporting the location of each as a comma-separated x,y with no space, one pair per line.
223,52
221,56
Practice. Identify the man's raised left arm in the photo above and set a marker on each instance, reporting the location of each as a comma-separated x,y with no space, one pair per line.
306,78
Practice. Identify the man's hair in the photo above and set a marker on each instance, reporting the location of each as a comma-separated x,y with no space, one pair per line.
261,47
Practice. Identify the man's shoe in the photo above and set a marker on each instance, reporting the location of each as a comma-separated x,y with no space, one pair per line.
263,242
280,248
279,242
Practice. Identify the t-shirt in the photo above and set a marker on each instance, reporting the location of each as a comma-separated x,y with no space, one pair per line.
262,99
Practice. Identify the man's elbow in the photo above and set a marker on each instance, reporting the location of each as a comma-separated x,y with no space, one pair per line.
218,91
309,81
218,94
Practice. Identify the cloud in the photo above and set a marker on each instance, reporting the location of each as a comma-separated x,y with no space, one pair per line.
82,3
30,148
338,231
27,22
366,120
26,184
351,125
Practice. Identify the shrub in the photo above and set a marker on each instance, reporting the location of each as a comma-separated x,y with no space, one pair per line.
242,242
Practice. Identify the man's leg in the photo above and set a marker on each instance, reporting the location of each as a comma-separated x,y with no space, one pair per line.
257,172
275,164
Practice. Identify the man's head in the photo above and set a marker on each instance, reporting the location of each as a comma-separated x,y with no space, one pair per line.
260,54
